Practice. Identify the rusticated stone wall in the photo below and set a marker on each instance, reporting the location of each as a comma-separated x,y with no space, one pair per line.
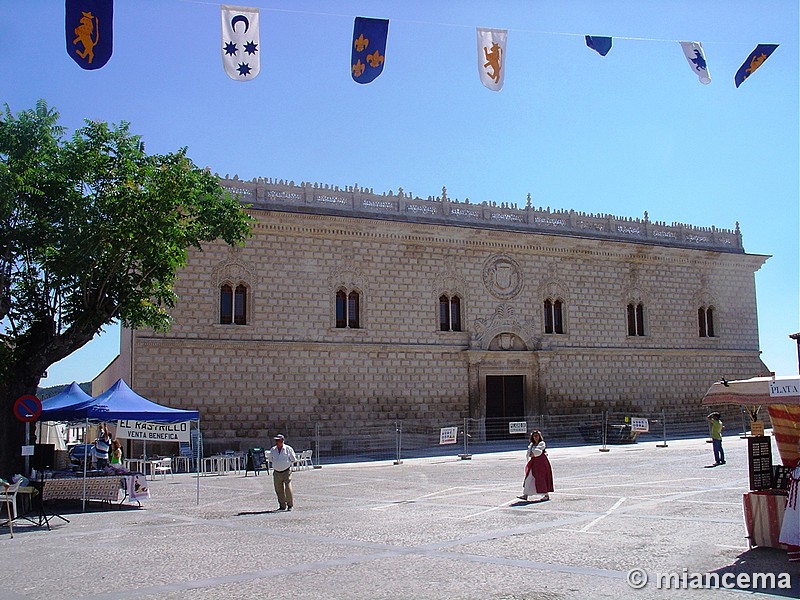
289,368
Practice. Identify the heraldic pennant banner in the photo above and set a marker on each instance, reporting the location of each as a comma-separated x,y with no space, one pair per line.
696,57
492,57
757,57
241,55
600,44
369,48
89,27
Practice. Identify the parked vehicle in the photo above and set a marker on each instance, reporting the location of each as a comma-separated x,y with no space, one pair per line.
78,454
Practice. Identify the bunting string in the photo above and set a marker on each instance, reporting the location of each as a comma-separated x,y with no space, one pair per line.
90,33
462,26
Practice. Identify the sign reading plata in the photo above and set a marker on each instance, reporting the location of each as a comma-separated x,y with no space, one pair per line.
153,432
790,387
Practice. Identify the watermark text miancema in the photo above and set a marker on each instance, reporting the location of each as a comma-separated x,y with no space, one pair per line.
686,580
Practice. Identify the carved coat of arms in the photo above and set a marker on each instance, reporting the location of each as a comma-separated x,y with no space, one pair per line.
502,276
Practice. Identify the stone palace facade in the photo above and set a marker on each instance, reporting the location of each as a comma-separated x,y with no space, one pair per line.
347,307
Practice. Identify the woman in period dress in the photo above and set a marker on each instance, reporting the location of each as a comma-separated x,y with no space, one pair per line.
538,473
790,532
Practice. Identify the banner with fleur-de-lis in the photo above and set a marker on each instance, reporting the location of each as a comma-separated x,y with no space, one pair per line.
90,31
369,48
492,57
241,55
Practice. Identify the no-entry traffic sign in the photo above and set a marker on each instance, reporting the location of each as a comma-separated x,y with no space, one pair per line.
27,408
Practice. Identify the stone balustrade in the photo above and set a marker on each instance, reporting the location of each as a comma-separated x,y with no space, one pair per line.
272,194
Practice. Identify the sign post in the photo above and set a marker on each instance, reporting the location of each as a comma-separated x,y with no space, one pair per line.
27,408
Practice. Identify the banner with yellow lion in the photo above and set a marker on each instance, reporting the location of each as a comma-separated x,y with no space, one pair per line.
90,32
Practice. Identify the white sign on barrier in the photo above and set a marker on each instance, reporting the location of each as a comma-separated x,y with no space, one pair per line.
640,424
153,432
448,435
517,427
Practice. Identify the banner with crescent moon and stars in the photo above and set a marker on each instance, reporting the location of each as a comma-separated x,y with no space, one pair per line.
89,27
241,54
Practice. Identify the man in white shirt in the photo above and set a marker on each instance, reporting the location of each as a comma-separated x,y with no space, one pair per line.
282,456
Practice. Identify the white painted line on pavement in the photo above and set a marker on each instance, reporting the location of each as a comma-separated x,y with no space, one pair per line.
390,505
604,515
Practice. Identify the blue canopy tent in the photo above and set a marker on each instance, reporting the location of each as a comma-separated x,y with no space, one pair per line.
118,402
65,405
121,402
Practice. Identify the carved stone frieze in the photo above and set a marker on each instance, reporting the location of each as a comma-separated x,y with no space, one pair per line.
504,330
233,271
552,286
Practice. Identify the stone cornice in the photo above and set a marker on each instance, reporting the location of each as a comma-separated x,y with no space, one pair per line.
327,226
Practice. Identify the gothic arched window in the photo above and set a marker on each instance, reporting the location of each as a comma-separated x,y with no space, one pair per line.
635,319
233,304
449,313
705,321
348,309
553,316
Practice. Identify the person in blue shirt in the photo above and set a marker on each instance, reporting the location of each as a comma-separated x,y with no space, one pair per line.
101,447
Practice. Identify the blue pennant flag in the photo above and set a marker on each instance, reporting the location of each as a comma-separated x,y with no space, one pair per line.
755,60
599,44
369,48
90,31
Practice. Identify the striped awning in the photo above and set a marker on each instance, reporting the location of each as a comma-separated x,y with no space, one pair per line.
781,396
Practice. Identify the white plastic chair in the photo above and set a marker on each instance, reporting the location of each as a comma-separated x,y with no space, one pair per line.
163,467
306,459
9,497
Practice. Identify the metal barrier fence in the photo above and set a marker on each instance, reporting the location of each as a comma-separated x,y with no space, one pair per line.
411,438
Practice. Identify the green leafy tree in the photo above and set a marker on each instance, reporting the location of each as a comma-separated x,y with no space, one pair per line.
93,232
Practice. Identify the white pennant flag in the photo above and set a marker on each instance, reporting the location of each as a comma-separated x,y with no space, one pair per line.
693,51
241,54
492,57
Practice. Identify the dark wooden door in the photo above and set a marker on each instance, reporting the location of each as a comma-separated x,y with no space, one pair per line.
505,402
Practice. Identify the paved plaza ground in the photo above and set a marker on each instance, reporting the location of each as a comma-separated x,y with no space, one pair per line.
429,528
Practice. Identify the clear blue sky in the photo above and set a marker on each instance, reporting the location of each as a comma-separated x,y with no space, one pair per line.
632,132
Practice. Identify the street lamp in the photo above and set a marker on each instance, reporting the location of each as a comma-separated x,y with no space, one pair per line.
796,338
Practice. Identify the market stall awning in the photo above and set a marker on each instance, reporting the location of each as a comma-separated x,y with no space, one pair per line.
69,405
781,396
121,402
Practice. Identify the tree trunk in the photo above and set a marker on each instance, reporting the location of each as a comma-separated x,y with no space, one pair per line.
21,381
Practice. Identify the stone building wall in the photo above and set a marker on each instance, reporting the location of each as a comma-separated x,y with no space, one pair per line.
290,369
